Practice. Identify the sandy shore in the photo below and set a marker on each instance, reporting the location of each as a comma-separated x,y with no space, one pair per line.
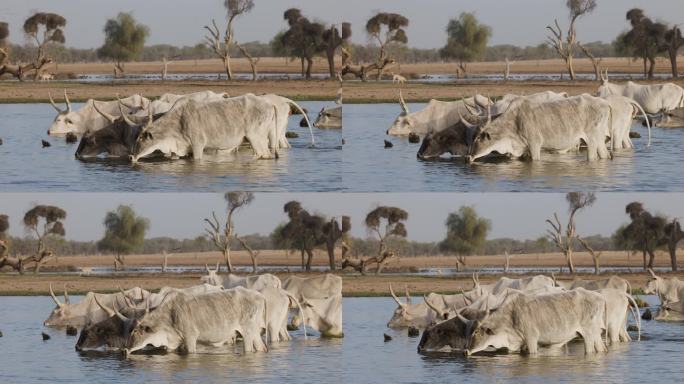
354,284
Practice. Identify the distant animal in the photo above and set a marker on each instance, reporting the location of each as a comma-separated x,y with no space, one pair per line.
398,79
45,76
45,143
388,144
329,118
653,98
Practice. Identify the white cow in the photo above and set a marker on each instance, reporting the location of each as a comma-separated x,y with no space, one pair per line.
654,98
324,315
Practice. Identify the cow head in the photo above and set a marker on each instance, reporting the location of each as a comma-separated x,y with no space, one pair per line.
212,277
114,139
323,315
410,315
654,284
145,142
452,334
403,125
63,312
606,88
329,118
66,120
454,140
110,333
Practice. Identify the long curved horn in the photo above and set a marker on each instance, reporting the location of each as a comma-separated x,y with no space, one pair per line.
408,295
110,312
66,100
438,311
124,114
104,114
218,265
126,105
395,297
652,273
206,266
66,296
474,280
486,305
553,276
117,313
489,112
461,318
52,293
59,110
404,107
466,300
465,122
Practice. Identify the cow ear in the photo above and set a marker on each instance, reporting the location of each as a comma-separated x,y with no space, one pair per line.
488,331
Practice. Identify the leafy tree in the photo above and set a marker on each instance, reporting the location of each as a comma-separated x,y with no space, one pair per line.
303,39
386,223
466,233
124,233
646,40
44,28
222,237
45,222
333,232
221,47
303,232
124,40
334,39
386,29
673,42
645,232
576,9
466,40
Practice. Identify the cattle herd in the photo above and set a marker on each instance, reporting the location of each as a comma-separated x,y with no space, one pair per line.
520,126
176,126
518,315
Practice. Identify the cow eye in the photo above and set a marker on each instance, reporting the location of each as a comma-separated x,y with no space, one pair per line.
68,121
147,329
488,331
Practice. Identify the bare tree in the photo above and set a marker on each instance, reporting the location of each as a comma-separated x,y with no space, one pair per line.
565,46
576,202
221,46
165,66
386,223
222,236
252,61
594,255
43,221
386,29
507,72
596,62
252,253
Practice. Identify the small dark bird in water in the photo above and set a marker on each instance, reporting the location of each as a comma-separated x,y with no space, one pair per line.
344,141
71,138
45,144
0,333
388,144
413,138
71,330
0,141
291,135
302,123
634,135
387,337
45,336
413,332
648,315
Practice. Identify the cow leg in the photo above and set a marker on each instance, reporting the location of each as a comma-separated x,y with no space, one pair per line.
603,151
535,152
592,150
532,346
197,151
284,334
260,147
191,344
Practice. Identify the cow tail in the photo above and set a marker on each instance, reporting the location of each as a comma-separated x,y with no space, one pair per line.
306,117
634,310
648,124
266,318
605,319
612,133
301,313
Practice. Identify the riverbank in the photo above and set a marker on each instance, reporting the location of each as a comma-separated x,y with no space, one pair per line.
354,285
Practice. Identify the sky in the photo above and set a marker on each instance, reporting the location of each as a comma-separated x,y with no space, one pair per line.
513,215
177,22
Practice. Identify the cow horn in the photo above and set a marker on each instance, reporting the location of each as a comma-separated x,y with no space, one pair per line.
404,107
469,107
430,305
486,305
52,293
489,112
66,100
553,276
206,266
116,311
126,105
124,114
110,312
59,110
652,273
478,103
466,300
395,297
147,305
465,122
104,114
408,295
474,280
460,317
218,265
66,296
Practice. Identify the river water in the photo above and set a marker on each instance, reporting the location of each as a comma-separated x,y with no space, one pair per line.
368,167
28,166
360,357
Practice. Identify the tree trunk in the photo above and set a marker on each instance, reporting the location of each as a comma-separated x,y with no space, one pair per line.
331,61
673,62
303,260
672,248
226,66
651,68
330,246
644,255
303,67
568,256
226,258
651,258
309,67
571,69
597,266
309,260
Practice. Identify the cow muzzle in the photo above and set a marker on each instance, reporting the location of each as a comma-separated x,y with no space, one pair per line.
469,159
132,159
